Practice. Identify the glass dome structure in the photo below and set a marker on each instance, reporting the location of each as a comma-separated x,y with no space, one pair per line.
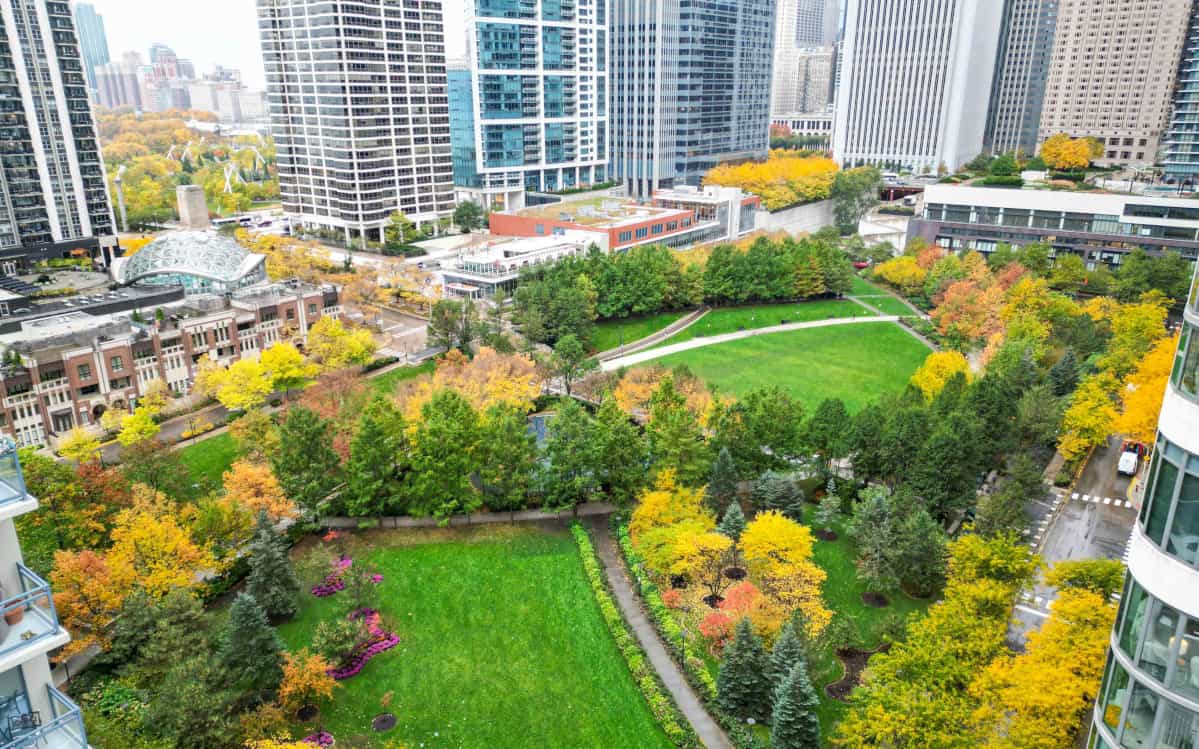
199,261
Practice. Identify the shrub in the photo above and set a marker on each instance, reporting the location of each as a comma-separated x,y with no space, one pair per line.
1002,181
1071,176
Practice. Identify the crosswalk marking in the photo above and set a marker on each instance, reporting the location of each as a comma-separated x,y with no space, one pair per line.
1075,495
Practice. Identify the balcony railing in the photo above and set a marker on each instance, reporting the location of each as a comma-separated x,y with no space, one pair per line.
40,620
64,729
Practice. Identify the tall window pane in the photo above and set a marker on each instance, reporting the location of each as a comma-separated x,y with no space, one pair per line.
1163,493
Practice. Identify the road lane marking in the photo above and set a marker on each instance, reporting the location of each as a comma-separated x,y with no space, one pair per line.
1033,612
1075,495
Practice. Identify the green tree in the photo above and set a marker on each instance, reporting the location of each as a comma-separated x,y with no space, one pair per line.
762,430
197,711
272,580
944,470
788,650
829,508
250,650
743,684
622,454
469,216
1003,512
1004,165
1064,374
570,362
1102,576
722,482
828,432
867,438
507,458
1036,257
794,723
776,491
854,192
676,440
399,231
372,485
147,641
733,522
443,455
873,530
1069,273
920,553
305,464
571,452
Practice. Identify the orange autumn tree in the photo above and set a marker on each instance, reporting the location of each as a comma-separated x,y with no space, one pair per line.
637,388
88,594
306,680
489,379
785,179
254,487
778,553
1143,392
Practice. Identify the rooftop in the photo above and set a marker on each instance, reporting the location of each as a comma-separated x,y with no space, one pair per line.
599,212
205,254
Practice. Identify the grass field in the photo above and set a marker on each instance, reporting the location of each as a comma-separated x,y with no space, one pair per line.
889,305
732,319
502,645
209,459
862,286
613,333
385,384
857,363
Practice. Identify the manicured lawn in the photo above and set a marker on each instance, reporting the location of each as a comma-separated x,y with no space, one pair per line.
613,333
890,305
386,383
857,363
862,286
502,645
209,459
732,319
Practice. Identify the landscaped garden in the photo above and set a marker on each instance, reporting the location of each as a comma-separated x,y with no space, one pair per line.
207,460
889,305
732,319
856,363
613,333
501,644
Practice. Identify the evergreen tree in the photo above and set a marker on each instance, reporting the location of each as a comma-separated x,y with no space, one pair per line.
272,580
623,454
872,529
250,650
443,455
733,522
373,482
508,458
921,553
866,442
788,650
743,685
829,508
305,464
1064,374
828,431
197,711
794,724
722,483
572,457
774,491
178,627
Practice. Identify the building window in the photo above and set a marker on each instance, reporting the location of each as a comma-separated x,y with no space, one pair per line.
117,364
85,371
312,309
198,340
625,236
1170,513
291,314
642,233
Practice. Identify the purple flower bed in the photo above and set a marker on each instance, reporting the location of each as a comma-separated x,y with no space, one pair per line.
335,581
379,641
321,738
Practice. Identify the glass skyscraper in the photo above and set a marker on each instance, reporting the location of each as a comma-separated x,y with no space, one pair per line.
1150,692
93,40
1182,139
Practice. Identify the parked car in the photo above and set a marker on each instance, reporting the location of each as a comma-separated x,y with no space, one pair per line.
1130,458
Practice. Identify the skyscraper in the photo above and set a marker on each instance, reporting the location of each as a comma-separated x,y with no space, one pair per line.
1018,91
540,76
1150,691
51,174
804,57
93,41
816,21
1182,139
359,111
915,82
1111,74
690,88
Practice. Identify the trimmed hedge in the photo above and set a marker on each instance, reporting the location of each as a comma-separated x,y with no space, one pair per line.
1072,176
683,651
677,729
1002,181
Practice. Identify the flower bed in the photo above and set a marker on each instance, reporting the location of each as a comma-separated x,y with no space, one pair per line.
380,641
320,738
683,651
677,729
336,582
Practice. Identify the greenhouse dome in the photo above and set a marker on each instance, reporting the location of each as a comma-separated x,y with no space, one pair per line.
199,261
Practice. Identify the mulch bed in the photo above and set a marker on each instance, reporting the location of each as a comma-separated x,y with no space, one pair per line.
735,573
854,660
307,713
713,601
384,722
824,535
875,600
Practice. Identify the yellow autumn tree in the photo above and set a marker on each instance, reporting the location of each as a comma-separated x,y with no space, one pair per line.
784,179
254,487
138,426
88,594
637,387
306,680
937,370
242,385
1143,392
1089,419
490,379
668,504
153,550
333,346
79,445
285,367
778,553
1038,700
903,272
1062,152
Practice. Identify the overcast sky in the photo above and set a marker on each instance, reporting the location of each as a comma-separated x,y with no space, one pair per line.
211,32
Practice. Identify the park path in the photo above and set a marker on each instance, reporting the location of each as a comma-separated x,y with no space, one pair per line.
709,732
654,339
862,301
632,359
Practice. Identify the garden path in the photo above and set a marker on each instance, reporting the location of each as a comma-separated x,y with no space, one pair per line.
710,733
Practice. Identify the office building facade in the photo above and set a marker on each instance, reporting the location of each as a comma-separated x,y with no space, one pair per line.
539,75
359,112
55,195
690,88
1150,691
915,82
1018,92
1181,157
1111,74
93,41
816,21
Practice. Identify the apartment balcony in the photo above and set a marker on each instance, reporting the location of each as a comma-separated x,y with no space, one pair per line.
14,500
38,631
23,726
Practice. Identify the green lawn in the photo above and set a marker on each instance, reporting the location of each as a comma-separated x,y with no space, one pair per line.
857,363
613,333
385,384
209,459
502,646
733,319
890,305
862,286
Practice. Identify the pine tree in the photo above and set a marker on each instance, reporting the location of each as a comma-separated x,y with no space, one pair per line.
733,522
788,650
623,454
250,650
794,724
1064,374
774,491
305,464
743,685
372,481
921,553
722,482
272,580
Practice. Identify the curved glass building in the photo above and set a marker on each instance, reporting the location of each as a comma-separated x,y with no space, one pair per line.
200,262
1150,693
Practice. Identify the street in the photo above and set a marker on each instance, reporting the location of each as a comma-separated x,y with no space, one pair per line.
1093,522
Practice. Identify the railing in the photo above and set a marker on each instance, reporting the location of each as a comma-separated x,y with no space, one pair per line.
64,730
36,603
12,488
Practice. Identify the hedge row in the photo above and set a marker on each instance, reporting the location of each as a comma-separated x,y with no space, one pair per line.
677,729
684,652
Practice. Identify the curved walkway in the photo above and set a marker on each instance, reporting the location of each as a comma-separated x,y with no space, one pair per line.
674,348
709,732
654,339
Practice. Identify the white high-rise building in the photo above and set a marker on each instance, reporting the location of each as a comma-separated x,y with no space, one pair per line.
32,712
1150,692
915,82
359,112
539,119
53,191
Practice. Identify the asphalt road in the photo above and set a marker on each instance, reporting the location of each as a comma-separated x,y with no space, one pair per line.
1093,522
